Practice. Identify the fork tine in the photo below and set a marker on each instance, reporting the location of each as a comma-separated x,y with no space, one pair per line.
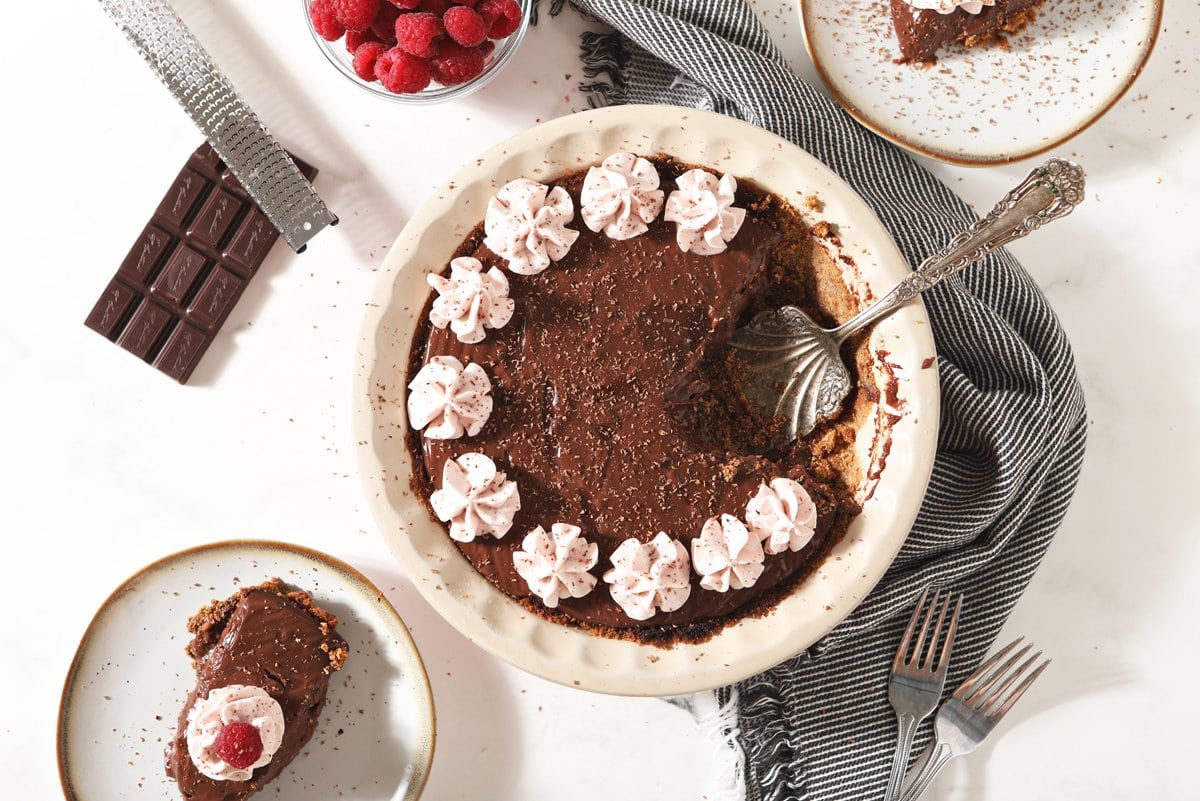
931,654
944,658
983,692
968,686
902,651
1018,692
920,646
1010,677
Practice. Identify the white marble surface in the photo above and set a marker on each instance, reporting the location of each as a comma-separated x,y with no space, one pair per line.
106,465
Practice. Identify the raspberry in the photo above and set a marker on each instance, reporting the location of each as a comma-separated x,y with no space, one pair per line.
465,26
456,64
436,7
356,15
324,20
384,26
239,744
355,39
465,2
406,5
365,57
419,33
503,17
402,72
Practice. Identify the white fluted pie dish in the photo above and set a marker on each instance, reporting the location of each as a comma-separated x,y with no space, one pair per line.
897,455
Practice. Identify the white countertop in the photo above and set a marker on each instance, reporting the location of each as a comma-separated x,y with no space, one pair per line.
107,465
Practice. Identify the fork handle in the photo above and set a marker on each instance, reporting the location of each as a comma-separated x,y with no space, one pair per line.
1047,193
941,754
908,729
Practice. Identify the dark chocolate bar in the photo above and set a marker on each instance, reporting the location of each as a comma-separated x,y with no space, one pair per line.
188,267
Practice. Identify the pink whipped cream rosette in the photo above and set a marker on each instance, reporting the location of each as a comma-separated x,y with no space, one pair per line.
948,6
557,564
703,212
782,515
727,555
475,498
449,400
621,197
649,577
241,703
526,224
470,300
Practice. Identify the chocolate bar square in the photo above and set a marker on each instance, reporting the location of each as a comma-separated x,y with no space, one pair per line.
187,268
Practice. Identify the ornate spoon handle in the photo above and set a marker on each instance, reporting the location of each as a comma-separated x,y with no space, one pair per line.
1049,192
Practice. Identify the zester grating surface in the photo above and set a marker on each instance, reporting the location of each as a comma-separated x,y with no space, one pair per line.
234,130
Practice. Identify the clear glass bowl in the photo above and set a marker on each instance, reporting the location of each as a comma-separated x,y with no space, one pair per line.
337,55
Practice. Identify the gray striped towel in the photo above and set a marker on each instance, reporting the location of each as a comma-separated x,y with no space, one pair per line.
1013,423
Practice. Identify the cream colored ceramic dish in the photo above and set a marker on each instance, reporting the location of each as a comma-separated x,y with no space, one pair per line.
983,105
130,677
568,655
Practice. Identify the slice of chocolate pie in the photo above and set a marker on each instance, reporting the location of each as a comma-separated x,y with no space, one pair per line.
925,26
263,660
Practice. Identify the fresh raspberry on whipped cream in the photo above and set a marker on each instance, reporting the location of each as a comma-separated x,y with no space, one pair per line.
470,300
726,555
703,212
782,516
621,196
449,400
235,703
526,223
557,565
239,744
649,576
475,498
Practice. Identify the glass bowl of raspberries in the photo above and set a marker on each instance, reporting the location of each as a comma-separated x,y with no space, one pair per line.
418,51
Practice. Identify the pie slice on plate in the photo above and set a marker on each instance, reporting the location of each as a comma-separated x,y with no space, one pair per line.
925,26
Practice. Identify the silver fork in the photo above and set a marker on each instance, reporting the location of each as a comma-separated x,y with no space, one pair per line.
917,682
976,707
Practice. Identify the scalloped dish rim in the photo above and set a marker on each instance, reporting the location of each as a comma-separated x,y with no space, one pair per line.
568,655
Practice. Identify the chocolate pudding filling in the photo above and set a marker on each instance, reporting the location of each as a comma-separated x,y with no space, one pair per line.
269,637
614,409
922,32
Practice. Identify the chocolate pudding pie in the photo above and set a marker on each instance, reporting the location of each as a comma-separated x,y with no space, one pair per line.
925,26
575,422
263,660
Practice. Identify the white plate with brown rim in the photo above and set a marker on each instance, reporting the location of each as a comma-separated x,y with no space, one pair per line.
130,677
983,105
567,654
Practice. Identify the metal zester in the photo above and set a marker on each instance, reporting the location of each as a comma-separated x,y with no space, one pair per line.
232,128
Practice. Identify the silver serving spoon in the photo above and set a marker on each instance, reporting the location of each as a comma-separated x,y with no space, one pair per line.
795,370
